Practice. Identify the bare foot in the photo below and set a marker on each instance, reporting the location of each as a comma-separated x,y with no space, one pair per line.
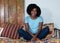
38,39
33,39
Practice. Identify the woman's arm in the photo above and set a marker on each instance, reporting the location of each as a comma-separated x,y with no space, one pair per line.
27,29
40,28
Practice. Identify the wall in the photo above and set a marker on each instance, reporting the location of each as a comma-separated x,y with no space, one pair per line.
50,10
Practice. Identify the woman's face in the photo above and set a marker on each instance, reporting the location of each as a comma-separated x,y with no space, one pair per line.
34,12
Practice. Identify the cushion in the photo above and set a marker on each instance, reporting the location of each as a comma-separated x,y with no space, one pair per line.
10,31
51,28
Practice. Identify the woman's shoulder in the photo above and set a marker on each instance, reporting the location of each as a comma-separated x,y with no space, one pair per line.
40,17
27,17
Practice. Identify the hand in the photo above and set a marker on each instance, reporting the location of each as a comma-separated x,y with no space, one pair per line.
38,39
33,39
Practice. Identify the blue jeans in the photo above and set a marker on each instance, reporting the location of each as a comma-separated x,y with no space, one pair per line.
27,36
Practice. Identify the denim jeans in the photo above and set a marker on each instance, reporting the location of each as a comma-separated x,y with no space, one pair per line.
27,36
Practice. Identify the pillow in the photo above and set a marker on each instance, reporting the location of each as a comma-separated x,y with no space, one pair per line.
10,31
51,28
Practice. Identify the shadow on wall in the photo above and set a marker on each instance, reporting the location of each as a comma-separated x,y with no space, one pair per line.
47,15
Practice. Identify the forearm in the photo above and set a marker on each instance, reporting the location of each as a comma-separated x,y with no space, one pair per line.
38,32
40,29
30,33
27,29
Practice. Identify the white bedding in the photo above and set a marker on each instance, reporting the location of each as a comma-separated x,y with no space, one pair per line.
1,29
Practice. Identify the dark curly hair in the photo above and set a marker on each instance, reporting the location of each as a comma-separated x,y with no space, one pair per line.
31,7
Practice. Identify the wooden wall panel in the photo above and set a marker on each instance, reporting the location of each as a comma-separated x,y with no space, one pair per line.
20,8
2,13
6,10
11,11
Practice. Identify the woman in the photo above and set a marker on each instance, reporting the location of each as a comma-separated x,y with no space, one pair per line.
33,24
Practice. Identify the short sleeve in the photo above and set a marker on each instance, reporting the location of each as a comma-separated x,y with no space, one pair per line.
41,19
26,20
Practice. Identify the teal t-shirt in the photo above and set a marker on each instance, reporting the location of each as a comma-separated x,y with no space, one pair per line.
33,24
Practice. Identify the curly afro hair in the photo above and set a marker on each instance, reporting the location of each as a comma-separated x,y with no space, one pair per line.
31,7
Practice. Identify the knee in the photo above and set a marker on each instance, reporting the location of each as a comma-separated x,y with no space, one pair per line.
19,30
46,28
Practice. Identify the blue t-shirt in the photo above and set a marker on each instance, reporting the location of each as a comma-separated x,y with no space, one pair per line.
33,24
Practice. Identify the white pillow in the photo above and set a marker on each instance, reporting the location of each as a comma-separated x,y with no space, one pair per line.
1,29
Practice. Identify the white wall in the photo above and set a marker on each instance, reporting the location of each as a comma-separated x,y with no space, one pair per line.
50,10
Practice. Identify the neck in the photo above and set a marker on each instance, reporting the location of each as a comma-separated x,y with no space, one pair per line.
33,17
